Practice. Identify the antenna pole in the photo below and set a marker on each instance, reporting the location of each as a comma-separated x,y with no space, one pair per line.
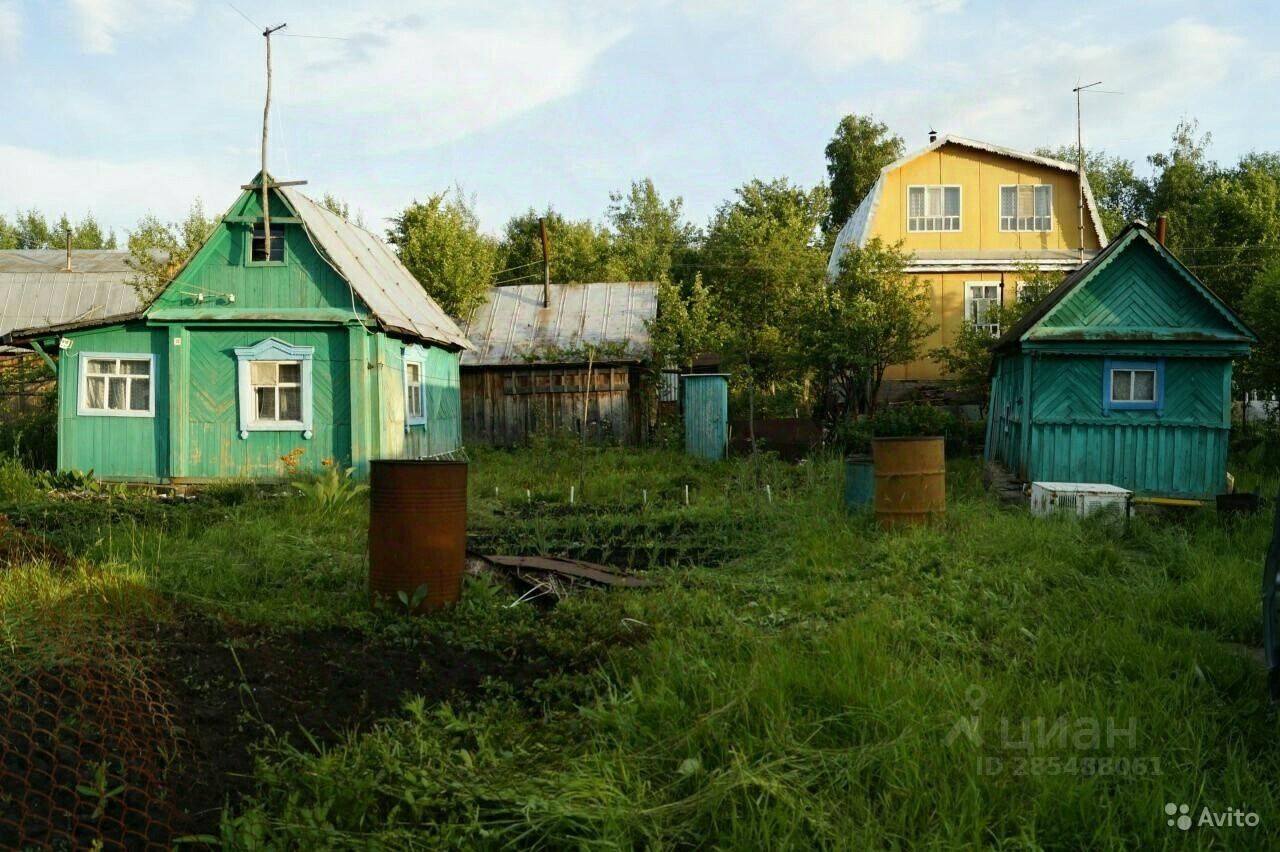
1080,162
266,114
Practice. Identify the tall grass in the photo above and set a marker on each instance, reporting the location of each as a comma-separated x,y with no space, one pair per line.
805,693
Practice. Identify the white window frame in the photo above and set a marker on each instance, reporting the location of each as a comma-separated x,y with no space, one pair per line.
1016,228
969,286
82,408
275,350
959,217
418,361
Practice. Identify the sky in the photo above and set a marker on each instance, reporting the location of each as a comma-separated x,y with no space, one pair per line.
128,107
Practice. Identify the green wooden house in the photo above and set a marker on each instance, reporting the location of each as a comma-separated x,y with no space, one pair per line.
1121,375
255,362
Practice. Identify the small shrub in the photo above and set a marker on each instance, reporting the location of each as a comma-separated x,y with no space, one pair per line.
331,489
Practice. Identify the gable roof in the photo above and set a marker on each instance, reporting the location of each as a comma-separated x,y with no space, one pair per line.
370,267
1134,233
374,271
512,327
857,230
35,289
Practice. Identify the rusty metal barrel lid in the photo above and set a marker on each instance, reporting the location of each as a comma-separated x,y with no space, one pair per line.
417,529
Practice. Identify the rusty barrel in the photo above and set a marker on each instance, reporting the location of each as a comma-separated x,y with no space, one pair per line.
417,530
911,480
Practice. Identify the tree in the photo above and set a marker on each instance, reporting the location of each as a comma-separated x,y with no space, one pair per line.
30,230
439,241
967,359
872,315
1261,373
341,209
1117,190
648,233
761,254
687,324
857,152
158,250
580,250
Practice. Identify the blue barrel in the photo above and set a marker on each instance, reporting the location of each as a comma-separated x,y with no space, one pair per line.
859,483
705,398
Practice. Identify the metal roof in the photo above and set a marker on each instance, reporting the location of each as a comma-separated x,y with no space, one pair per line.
857,230
376,274
512,327
35,291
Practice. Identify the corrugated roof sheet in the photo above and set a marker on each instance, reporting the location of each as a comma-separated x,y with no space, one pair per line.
512,327
374,271
36,292
857,230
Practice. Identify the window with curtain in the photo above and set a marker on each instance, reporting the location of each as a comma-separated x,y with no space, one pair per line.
1026,207
933,208
116,384
277,391
980,299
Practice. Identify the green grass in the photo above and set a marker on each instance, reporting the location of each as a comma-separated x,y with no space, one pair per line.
801,674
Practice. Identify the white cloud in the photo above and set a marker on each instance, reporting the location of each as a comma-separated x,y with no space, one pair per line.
117,192
10,29
836,36
425,78
102,22
1026,99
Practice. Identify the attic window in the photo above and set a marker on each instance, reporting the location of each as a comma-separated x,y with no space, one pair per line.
933,208
1026,207
258,249
1134,386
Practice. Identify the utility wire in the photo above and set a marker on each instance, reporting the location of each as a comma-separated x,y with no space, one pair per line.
530,276
243,15
513,268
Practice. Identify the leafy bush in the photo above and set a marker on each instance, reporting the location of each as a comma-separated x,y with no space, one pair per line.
909,421
331,489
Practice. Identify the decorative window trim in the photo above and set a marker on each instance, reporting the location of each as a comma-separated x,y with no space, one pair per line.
248,246
82,390
1109,366
959,217
420,360
1003,219
991,327
272,349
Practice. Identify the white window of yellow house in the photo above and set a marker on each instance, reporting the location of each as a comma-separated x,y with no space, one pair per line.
1026,207
118,385
980,299
933,208
277,391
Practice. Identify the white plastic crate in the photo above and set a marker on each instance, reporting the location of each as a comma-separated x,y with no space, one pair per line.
1080,498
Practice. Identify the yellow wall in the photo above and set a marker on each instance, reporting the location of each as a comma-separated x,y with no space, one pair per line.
980,175
948,313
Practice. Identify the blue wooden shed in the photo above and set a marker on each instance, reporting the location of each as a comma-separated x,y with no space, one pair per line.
1121,375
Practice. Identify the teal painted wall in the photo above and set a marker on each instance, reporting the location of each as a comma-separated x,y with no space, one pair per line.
705,400
213,432
1179,452
114,447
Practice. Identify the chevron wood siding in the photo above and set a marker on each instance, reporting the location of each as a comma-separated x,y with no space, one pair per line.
1135,292
1048,421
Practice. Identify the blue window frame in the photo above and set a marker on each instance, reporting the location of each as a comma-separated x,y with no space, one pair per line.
274,380
1133,385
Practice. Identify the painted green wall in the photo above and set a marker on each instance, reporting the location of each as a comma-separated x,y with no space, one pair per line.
1179,452
215,448
114,447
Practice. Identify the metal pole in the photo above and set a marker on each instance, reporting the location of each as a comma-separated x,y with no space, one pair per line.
546,263
1080,162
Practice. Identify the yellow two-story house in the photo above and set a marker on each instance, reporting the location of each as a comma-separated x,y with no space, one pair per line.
972,215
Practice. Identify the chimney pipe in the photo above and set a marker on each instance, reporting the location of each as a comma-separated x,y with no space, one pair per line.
933,135
546,264
1162,228
68,266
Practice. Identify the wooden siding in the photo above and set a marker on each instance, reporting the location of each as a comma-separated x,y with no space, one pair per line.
980,175
504,406
115,447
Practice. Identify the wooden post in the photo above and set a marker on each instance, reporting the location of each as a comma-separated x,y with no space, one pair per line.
266,114
546,263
